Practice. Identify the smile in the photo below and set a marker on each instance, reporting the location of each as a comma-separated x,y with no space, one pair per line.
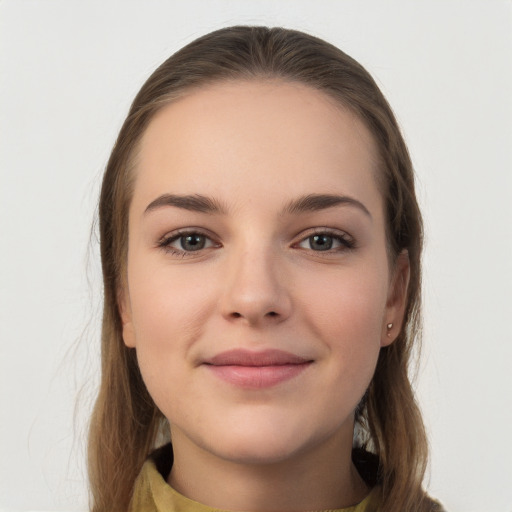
256,370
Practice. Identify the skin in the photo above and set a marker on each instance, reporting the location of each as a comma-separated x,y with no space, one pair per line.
259,283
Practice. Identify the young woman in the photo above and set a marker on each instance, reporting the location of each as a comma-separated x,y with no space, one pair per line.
260,242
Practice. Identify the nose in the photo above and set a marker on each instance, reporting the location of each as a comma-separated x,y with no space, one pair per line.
256,291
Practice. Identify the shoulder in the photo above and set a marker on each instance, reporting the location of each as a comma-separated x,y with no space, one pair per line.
367,464
152,478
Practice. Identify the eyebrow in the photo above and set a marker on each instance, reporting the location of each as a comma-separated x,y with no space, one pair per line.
205,204
316,202
195,203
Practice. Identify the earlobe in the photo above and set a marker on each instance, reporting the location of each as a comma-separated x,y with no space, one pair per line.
126,319
397,300
128,334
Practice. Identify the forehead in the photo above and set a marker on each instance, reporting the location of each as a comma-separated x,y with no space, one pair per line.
229,137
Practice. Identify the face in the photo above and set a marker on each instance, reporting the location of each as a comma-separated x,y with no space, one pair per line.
258,285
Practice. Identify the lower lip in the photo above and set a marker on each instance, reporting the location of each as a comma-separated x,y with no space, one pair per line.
257,377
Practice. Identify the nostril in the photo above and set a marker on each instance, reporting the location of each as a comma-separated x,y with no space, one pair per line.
270,314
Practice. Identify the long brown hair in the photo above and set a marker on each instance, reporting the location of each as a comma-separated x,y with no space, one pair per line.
125,421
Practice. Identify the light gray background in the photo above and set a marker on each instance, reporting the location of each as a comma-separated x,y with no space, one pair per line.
69,70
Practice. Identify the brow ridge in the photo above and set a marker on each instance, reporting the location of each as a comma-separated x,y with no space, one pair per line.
192,202
303,204
316,202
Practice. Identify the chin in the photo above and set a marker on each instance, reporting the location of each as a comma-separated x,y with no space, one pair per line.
259,444
251,452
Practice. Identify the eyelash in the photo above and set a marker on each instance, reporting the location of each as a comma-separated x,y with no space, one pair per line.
166,241
345,241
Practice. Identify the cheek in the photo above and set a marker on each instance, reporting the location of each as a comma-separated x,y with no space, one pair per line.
349,303
169,311
346,313
167,304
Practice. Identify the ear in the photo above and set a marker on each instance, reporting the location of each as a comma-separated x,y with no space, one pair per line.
125,311
397,300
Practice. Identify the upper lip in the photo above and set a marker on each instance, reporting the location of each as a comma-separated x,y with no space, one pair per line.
243,357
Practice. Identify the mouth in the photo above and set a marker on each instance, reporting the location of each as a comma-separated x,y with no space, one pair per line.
256,370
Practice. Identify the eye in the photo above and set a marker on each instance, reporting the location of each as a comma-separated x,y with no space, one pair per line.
186,242
327,241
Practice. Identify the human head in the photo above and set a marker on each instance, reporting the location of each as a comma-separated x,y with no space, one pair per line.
254,53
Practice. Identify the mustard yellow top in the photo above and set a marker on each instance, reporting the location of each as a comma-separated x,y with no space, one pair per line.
153,494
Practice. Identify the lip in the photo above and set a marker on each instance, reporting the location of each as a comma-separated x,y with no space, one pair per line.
256,370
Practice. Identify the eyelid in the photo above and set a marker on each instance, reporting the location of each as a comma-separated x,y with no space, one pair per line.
347,241
165,241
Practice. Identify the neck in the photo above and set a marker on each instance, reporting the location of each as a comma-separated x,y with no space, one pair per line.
318,479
